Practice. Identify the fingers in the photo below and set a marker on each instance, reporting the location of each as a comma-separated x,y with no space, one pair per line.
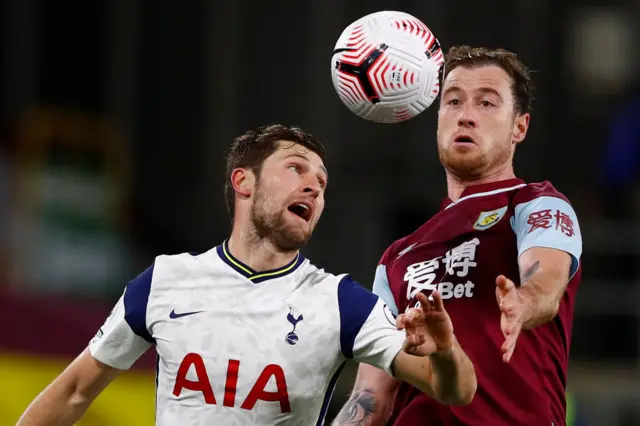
508,309
425,303
412,344
504,284
509,323
400,322
438,304
508,329
414,340
403,320
508,348
509,345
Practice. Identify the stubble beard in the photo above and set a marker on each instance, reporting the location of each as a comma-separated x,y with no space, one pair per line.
473,165
271,225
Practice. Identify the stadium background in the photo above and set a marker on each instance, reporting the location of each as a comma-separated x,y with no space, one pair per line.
115,115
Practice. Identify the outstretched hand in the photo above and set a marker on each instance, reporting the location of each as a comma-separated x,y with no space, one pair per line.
429,328
512,307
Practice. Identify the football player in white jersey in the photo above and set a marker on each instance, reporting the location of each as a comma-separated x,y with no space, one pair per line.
251,332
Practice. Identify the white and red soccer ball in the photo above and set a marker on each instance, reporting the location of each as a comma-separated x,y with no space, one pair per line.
387,67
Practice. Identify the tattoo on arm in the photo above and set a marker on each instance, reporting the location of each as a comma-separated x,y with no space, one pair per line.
526,275
359,410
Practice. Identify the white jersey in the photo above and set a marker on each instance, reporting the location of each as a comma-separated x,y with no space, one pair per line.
239,347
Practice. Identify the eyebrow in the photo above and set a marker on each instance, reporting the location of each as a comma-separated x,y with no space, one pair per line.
323,168
456,89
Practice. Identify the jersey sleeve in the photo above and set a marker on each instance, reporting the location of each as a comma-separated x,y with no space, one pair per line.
381,287
548,221
368,330
124,336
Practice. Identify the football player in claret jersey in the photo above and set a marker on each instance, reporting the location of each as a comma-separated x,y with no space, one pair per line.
504,255
251,332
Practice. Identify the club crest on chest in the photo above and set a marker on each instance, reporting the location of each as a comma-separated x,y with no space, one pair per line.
488,219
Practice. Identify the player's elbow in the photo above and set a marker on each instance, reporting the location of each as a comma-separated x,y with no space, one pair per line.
462,396
69,392
79,401
553,310
458,391
467,392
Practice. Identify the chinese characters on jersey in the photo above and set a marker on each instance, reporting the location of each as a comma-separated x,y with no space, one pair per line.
429,276
545,219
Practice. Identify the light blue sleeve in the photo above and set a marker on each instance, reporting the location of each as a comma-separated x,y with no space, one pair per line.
548,222
382,290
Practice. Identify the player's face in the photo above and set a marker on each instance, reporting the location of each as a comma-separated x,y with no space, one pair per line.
289,196
477,126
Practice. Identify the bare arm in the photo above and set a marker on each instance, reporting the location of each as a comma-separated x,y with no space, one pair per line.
544,275
431,359
448,376
67,398
371,401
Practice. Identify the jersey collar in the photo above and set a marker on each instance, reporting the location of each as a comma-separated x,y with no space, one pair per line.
256,276
484,189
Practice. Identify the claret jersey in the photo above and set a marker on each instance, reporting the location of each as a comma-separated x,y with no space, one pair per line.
460,251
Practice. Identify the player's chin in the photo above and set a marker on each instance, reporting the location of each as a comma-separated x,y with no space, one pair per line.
465,166
293,240
463,152
463,148
297,234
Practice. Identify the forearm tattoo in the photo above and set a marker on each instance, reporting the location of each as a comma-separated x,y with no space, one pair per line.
526,275
358,411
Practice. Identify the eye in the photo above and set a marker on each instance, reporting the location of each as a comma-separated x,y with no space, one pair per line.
486,103
322,183
294,167
454,102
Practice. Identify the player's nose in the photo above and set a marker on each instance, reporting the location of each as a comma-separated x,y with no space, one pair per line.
311,185
466,119
467,122
313,189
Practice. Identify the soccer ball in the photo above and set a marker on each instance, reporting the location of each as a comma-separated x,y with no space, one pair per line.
387,67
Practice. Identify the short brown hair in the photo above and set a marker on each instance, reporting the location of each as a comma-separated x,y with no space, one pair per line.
251,149
522,86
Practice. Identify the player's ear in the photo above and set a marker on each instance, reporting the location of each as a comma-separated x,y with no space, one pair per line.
520,127
243,182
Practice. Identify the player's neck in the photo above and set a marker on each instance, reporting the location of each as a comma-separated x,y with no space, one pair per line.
456,185
259,254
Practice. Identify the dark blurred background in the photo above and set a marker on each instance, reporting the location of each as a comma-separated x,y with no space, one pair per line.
114,119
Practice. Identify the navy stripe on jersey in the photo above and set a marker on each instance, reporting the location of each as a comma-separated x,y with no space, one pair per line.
136,298
355,303
328,394
248,272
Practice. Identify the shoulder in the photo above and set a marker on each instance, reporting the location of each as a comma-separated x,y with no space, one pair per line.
311,275
539,201
169,268
536,190
179,261
343,283
395,248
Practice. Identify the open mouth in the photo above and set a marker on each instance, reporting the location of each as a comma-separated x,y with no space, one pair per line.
464,139
302,210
